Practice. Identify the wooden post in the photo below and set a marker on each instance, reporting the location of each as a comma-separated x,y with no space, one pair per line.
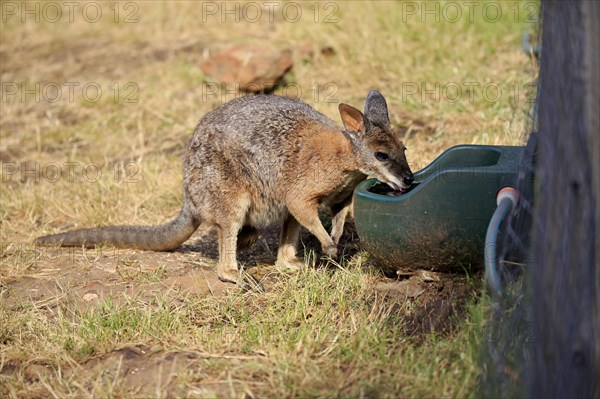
566,280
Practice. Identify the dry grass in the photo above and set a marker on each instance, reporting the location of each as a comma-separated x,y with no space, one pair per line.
323,333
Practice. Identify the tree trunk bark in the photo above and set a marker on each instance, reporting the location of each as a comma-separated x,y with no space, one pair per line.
566,280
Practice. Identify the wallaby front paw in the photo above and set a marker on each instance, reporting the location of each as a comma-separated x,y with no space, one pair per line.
331,251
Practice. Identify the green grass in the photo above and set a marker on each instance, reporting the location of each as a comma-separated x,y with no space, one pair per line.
318,334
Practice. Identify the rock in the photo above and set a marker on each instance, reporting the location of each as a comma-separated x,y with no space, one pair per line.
248,67
90,296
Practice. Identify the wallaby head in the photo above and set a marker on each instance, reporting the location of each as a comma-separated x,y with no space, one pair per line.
378,149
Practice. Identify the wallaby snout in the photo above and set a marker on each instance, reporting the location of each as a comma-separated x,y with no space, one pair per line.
408,178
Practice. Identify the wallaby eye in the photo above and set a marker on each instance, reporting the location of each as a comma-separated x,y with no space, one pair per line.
381,156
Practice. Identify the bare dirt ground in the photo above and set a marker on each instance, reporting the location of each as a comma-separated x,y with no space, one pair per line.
87,277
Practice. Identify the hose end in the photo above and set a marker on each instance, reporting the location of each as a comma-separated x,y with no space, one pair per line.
509,193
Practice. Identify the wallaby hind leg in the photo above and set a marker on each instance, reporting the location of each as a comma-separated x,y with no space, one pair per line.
227,268
307,214
286,254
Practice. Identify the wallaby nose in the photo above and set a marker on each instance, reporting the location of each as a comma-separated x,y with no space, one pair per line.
408,179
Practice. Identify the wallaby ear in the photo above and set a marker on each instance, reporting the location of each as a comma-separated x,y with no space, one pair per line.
376,110
351,117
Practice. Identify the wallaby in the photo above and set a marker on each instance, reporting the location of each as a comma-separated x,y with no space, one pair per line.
260,159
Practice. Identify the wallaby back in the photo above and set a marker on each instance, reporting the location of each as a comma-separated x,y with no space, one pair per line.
245,142
254,146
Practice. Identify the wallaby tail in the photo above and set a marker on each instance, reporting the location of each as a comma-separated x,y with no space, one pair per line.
152,238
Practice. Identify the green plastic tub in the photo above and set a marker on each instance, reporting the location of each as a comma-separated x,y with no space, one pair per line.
440,224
